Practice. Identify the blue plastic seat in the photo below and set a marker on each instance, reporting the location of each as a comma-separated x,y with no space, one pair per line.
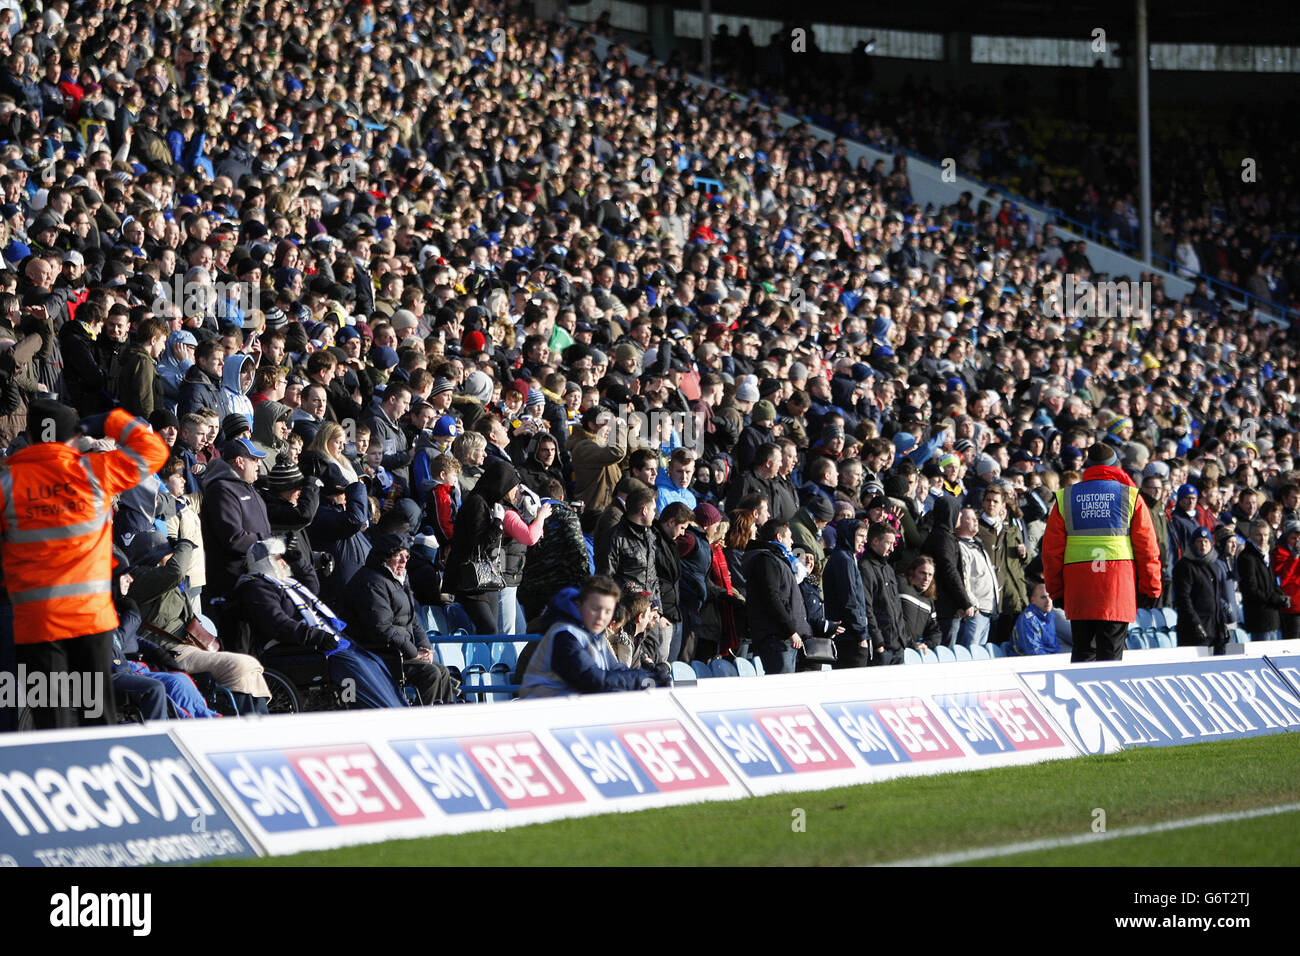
1000,650
928,657
961,652
477,670
758,665
945,654
432,620
457,619
683,674
1170,618
1146,619
1137,641
504,653
721,667
911,656
744,668
701,669
1164,639
980,652
450,655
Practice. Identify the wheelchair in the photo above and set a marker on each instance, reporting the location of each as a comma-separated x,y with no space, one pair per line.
300,681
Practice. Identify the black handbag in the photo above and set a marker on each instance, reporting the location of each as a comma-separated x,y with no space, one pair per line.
819,650
481,575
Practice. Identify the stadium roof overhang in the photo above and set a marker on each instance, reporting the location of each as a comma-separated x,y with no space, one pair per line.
1185,21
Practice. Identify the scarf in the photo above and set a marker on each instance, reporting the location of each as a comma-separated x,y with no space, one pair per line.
313,611
799,569
790,559
719,570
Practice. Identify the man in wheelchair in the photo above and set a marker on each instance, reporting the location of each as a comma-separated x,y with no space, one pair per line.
281,611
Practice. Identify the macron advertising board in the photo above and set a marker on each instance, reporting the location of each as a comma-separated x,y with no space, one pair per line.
107,798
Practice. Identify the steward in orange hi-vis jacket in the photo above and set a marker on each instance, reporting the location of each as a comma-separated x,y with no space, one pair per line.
56,541
1099,549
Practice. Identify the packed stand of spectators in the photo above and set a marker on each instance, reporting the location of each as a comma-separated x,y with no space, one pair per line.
428,308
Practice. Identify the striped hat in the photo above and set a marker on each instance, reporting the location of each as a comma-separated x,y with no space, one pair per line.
284,477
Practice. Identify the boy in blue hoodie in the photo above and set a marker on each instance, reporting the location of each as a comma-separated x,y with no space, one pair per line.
574,657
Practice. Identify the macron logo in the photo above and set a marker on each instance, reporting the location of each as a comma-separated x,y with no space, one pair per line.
77,909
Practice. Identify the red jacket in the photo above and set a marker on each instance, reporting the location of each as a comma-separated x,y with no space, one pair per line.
1286,565
1103,590
444,514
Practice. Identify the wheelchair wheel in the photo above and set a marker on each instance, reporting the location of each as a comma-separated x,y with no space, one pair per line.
284,696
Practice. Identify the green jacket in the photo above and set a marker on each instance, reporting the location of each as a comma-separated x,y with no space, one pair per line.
1003,547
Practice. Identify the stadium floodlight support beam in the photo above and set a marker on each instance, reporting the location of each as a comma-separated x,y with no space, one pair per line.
706,34
1144,129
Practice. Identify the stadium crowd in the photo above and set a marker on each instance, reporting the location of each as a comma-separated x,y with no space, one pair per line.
429,306
1223,205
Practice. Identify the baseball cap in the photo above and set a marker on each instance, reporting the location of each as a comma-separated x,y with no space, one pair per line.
1188,491
241,448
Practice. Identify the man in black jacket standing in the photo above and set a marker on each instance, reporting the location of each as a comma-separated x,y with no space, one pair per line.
884,611
1261,598
384,619
676,518
845,594
632,561
234,519
777,620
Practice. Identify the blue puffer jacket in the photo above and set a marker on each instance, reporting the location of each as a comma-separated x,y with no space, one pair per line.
570,660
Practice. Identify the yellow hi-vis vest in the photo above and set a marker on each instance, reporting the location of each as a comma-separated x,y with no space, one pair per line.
1098,515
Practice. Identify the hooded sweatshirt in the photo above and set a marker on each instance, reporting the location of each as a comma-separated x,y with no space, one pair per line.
234,397
570,659
951,598
264,417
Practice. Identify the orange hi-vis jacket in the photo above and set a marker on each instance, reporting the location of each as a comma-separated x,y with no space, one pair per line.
56,529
